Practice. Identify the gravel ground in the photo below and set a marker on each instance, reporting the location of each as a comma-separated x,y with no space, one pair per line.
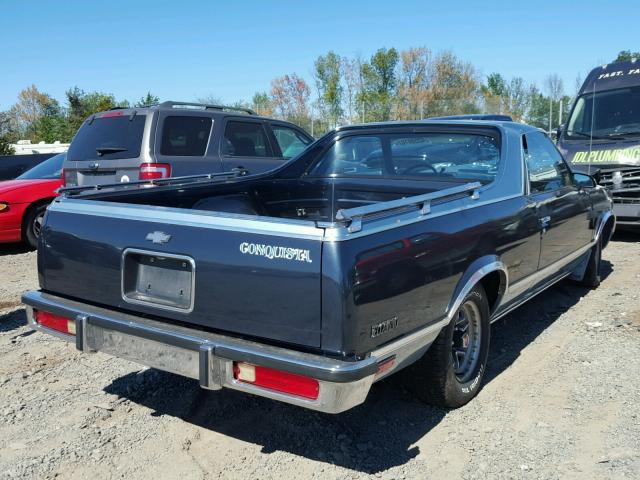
562,400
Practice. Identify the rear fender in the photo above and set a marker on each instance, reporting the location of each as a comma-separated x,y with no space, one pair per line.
474,274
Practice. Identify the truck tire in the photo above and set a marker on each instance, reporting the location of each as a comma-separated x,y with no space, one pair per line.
33,224
591,277
450,373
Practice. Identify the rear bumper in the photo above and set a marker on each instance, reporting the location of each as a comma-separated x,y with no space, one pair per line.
205,356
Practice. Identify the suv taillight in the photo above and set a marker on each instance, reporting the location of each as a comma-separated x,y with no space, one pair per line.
152,171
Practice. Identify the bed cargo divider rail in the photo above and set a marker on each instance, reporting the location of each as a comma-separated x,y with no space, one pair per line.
354,216
159,181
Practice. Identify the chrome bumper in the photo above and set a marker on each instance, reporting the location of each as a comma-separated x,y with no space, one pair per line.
205,356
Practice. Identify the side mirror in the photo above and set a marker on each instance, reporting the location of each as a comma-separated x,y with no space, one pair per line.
584,180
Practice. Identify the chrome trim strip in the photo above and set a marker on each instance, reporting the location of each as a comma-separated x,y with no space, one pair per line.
602,222
193,218
526,299
272,226
145,303
522,285
473,281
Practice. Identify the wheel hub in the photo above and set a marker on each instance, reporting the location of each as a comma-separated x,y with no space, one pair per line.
465,346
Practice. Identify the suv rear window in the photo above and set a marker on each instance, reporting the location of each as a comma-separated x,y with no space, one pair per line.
246,139
110,137
185,136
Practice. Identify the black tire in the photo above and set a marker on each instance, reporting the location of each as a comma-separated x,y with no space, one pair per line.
591,277
33,224
434,378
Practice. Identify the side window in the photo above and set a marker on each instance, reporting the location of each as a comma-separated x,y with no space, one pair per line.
291,141
547,170
246,139
352,156
185,136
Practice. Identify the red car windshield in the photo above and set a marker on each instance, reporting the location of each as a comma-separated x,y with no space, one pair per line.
50,169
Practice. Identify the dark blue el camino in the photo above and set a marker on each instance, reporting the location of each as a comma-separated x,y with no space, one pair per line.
380,247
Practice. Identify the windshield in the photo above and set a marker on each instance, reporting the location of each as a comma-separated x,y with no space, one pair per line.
110,137
608,114
50,169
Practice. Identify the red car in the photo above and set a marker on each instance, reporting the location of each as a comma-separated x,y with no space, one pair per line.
23,201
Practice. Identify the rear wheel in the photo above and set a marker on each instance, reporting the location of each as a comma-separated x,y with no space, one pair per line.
33,225
450,373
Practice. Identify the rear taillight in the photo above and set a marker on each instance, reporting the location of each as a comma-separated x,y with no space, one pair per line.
55,322
153,171
277,380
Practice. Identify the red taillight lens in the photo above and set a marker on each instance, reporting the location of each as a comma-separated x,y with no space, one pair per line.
385,365
55,322
271,379
152,171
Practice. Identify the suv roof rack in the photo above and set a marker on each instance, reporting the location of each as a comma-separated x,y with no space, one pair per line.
222,108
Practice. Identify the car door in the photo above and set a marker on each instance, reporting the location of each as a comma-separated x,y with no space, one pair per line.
246,144
563,208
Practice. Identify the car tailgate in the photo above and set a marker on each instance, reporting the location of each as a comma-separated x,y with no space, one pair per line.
253,276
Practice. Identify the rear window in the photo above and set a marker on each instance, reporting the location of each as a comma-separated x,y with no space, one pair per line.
419,155
185,136
246,139
110,137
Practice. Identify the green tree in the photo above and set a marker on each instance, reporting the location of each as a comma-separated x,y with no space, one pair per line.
148,99
624,55
538,109
290,99
51,126
378,85
413,83
261,103
454,87
5,147
82,105
328,72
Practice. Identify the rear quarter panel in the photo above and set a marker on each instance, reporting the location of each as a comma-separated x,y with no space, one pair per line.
410,273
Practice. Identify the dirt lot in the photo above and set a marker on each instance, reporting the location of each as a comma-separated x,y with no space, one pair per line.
562,400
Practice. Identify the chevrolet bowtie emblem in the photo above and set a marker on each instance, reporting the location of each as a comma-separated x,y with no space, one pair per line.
158,237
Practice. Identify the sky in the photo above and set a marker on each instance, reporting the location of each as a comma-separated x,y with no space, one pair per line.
184,49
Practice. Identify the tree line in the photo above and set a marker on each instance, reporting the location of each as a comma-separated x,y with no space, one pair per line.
392,84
